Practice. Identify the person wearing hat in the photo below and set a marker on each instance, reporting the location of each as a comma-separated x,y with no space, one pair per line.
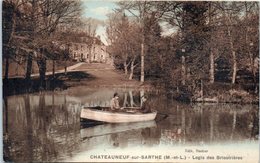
114,103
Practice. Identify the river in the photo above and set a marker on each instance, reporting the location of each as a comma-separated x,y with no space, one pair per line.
47,127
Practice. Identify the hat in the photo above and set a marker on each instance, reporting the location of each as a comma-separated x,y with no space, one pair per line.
115,94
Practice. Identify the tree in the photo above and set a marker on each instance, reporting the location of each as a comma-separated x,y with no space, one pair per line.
190,21
154,58
142,10
36,26
10,12
123,36
250,23
228,22
133,47
51,14
211,43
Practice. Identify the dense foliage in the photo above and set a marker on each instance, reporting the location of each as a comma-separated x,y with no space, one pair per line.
211,42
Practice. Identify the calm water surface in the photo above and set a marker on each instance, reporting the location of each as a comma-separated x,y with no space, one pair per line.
47,127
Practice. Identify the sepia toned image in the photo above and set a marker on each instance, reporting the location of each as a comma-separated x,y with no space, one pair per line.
130,81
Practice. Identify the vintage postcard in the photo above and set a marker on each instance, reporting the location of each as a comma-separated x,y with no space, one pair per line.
130,81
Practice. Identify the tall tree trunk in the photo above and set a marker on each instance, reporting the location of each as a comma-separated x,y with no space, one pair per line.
53,69
6,68
183,70
234,60
201,89
234,74
16,69
212,67
65,67
188,74
251,58
125,68
28,67
13,25
141,95
42,70
132,69
142,60
255,67
5,80
211,55
248,46
131,72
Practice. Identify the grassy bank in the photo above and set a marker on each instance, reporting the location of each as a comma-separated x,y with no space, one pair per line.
218,93
61,81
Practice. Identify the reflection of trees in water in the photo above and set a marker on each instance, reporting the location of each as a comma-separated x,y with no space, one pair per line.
122,139
5,117
114,139
29,147
202,123
151,136
42,132
49,125
132,103
173,136
147,136
254,123
127,98
6,142
131,98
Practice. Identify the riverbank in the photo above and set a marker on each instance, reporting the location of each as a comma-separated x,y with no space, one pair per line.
218,93
89,75
230,93
97,75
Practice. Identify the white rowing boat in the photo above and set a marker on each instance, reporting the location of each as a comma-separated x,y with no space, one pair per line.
123,116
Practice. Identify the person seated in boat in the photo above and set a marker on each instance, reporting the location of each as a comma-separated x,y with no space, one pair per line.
145,108
114,103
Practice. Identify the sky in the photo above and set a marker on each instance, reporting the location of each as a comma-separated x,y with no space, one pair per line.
98,9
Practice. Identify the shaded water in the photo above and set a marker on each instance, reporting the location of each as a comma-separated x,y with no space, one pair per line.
47,127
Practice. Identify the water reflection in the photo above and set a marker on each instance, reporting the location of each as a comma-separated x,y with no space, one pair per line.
173,136
38,129
106,129
46,127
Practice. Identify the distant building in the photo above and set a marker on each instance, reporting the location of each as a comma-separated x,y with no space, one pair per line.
89,51
85,48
